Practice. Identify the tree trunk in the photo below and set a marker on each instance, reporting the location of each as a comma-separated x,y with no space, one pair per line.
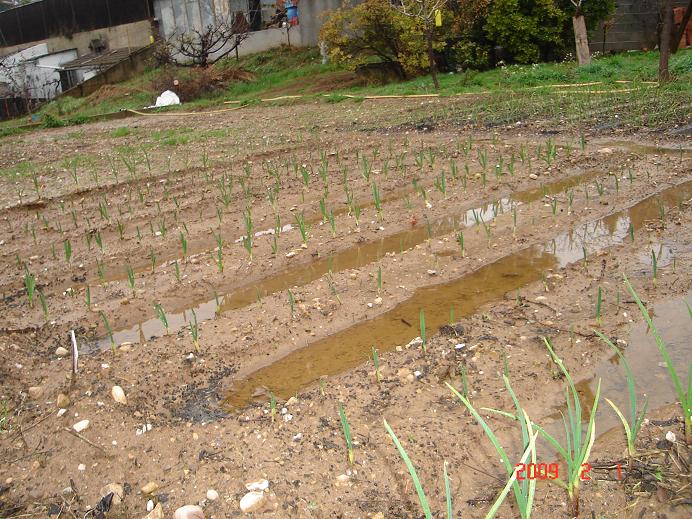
664,47
581,39
431,57
683,28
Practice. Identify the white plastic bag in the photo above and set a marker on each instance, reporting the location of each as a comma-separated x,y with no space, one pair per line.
167,98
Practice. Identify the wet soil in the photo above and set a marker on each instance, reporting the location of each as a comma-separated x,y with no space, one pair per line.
544,223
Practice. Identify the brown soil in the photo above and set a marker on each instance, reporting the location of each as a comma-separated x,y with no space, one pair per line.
206,414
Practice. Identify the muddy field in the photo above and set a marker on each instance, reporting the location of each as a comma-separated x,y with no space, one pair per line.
231,274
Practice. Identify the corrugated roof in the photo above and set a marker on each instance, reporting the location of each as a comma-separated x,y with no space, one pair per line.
100,60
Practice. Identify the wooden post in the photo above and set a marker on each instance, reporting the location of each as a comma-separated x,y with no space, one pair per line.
582,40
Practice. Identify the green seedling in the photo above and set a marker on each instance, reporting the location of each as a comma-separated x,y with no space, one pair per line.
130,277
423,336
30,285
684,394
87,297
599,304
654,267
460,241
194,330
161,315
272,406
637,414
44,305
347,434
303,227
248,239
67,247
376,361
109,330
292,303
379,280
377,200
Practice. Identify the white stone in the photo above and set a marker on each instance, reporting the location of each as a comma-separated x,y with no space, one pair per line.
212,495
670,436
252,501
118,395
258,485
189,512
81,426
150,505
61,352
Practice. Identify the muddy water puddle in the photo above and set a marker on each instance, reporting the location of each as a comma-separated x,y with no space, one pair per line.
651,377
352,258
352,346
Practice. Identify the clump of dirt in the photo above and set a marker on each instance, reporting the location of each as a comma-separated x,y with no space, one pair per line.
195,82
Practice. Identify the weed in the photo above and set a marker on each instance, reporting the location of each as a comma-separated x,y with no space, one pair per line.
347,434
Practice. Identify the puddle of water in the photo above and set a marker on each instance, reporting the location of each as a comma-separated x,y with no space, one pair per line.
351,258
651,377
350,347
681,151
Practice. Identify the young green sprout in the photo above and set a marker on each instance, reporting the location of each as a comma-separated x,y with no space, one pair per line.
376,361
272,406
379,280
87,297
109,330
292,303
130,278
194,330
654,267
636,419
161,315
578,445
248,240
377,200
423,336
347,434
683,393
599,304
30,285
67,246
460,241
303,227
44,305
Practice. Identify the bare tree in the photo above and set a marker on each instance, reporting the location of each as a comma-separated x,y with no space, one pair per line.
210,44
664,45
425,11
581,38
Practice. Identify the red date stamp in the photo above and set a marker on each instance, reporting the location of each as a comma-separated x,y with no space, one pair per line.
551,471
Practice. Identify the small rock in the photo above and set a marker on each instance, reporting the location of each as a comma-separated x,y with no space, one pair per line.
150,505
670,436
533,176
415,342
291,401
378,301
156,513
432,272
117,490
150,488
290,254
252,501
605,151
81,426
61,352
212,495
61,412
343,478
189,512
119,395
258,485
81,467
35,392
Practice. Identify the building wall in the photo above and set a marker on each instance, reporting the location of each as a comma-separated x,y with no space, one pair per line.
179,16
137,34
34,71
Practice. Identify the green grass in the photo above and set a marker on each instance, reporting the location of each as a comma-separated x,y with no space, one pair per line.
506,94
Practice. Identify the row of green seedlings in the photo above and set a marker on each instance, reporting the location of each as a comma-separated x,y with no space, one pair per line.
247,241
578,442
225,187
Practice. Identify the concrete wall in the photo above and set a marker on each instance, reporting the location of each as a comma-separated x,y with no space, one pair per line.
135,64
137,34
311,14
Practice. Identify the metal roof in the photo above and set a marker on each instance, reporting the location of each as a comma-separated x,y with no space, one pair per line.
101,60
